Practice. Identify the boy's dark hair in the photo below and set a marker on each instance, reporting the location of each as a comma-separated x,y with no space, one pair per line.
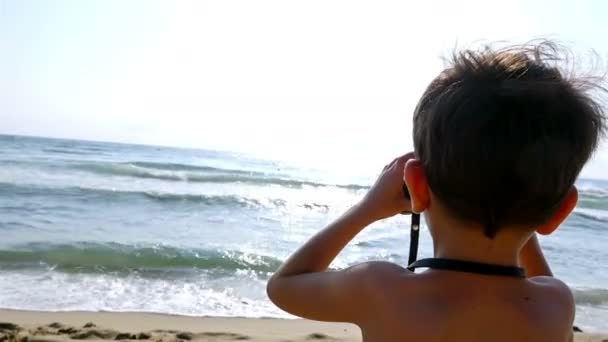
503,134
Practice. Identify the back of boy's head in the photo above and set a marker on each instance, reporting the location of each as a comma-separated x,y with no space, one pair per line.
503,134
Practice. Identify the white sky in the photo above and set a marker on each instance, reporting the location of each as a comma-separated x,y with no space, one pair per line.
312,81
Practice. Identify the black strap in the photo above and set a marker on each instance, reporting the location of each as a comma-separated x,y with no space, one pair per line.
414,234
469,266
414,230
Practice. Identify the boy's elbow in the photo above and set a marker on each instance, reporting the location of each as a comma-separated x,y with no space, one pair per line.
282,296
273,288
278,292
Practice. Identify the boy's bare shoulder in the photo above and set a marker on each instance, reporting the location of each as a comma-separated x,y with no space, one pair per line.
554,288
381,273
382,268
554,303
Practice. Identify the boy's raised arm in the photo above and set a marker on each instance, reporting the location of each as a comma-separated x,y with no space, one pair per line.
303,286
533,260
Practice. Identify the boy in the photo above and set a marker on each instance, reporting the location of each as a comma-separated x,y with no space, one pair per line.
500,138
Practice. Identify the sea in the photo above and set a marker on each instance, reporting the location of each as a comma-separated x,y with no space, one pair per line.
98,226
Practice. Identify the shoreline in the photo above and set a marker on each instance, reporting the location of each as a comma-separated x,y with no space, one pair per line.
39,326
109,325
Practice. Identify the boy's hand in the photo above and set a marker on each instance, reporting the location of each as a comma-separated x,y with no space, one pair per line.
385,198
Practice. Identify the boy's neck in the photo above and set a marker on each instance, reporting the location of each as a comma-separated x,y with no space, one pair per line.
470,244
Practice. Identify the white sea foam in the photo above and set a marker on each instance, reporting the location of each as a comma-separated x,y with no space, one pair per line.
236,295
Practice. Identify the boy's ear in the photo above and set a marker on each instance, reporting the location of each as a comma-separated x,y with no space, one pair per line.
415,180
560,215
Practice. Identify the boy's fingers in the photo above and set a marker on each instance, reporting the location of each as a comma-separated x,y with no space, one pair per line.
399,161
389,165
404,158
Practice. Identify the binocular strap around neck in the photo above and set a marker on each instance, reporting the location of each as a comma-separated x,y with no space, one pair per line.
469,266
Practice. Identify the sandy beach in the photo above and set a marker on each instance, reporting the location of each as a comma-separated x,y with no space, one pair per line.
63,326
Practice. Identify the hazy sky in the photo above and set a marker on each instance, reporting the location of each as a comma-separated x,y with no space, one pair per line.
313,81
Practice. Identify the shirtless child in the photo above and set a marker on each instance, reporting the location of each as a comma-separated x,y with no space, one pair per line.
500,137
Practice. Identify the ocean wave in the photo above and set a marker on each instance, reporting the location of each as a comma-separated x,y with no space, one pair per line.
185,167
199,174
593,192
77,193
592,214
594,203
211,200
91,257
590,296
65,151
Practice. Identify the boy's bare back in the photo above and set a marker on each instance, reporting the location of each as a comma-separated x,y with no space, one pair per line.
445,306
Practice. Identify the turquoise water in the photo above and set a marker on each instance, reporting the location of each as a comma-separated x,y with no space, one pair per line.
102,226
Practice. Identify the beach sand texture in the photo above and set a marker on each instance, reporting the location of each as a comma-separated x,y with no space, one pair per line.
28,326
